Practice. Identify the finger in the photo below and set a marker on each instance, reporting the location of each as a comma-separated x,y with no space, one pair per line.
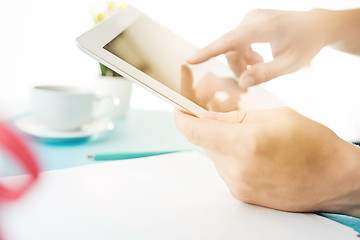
249,117
229,117
253,58
236,62
235,39
218,136
262,72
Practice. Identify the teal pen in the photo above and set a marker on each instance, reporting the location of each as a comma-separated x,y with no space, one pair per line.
126,155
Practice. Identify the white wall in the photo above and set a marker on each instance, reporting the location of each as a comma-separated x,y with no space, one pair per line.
37,47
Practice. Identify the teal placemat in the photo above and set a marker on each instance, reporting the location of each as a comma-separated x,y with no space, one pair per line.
139,131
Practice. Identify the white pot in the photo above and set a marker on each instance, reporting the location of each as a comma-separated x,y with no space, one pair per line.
119,87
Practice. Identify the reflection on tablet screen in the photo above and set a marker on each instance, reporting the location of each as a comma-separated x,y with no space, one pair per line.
159,53
151,48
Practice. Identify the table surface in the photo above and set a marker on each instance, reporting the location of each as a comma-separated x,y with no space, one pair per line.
140,130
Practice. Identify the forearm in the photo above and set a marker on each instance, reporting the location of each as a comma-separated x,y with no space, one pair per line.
342,29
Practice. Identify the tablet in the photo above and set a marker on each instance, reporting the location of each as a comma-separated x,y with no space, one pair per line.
139,48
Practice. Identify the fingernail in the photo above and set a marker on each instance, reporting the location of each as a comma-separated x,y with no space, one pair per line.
247,82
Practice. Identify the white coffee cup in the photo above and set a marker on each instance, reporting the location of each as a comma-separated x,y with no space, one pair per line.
115,86
67,108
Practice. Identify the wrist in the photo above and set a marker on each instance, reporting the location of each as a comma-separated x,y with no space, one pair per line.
326,24
353,208
335,26
346,185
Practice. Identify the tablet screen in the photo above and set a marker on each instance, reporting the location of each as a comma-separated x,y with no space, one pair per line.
151,48
156,51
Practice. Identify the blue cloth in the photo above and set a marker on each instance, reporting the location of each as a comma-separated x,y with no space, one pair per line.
349,221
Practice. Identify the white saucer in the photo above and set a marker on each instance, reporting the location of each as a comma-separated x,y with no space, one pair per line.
28,124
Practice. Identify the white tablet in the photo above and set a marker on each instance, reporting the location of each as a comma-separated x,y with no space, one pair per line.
137,47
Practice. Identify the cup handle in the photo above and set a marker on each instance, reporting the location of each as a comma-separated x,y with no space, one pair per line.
115,101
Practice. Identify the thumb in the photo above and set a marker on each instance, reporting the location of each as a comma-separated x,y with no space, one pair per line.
263,72
229,117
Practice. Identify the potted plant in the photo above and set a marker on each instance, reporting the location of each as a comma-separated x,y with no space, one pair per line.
110,82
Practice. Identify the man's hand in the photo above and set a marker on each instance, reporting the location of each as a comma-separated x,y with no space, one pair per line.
295,38
279,159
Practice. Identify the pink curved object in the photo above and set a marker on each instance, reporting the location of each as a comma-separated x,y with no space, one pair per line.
14,145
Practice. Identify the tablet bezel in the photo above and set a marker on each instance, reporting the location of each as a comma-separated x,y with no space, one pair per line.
93,41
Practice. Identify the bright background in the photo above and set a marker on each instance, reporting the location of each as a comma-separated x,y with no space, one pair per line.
37,47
